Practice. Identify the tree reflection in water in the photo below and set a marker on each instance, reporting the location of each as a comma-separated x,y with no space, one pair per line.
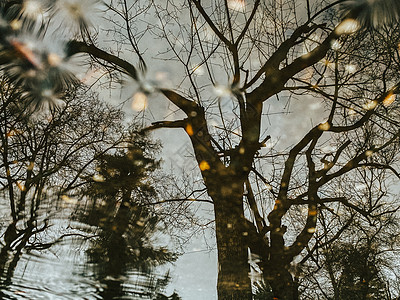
48,161
124,225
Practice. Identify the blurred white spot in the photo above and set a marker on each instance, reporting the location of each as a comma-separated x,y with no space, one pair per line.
98,178
311,230
222,91
369,153
32,9
351,112
161,76
198,70
47,93
315,106
324,126
139,101
78,14
347,26
335,45
68,199
16,24
238,5
370,105
54,59
350,69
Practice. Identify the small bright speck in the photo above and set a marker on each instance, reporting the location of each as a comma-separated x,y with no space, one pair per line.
335,45
324,126
311,230
161,76
204,166
351,112
139,101
21,186
140,223
351,69
16,24
328,63
370,105
315,106
98,178
369,153
47,93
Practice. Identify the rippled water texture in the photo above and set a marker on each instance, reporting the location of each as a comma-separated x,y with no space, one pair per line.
64,273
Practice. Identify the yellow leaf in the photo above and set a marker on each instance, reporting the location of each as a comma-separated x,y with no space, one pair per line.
204,166
389,99
324,126
189,129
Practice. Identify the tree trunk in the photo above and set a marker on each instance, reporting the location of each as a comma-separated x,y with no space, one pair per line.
233,274
280,280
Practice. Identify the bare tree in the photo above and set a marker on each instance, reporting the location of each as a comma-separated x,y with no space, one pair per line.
265,50
43,159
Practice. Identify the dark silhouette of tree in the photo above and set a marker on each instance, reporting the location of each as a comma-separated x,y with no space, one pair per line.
360,265
264,50
116,206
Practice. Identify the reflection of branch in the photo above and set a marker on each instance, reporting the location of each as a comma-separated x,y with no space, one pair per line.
272,65
335,237
334,161
355,162
74,47
381,166
167,124
341,200
253,205
178,200
211,23
190,108
246,26
43,246
265,181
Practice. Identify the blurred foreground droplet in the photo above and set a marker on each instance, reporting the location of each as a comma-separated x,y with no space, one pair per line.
347,26
139,101
238,5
